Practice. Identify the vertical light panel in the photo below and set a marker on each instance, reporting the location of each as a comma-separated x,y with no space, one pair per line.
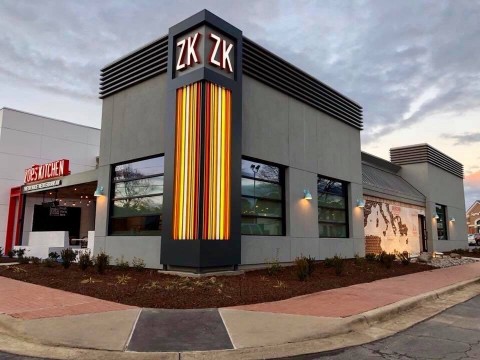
216,178
186,199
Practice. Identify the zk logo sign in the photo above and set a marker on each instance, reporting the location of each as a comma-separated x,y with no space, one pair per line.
219,52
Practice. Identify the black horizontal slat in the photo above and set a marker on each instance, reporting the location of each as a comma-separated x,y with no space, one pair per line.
151,60
292,82
284,67
426,153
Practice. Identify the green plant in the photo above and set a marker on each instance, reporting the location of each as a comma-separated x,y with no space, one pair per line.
102,261
11,253
121,263
35,260
404,257
49,262
328,262
84,260
54,255
274,266
24,260
301,264
358,260
386,259
311,265
68,256
338,264
138,264
370,257
20,253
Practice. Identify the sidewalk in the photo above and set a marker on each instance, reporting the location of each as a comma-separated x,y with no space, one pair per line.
54,317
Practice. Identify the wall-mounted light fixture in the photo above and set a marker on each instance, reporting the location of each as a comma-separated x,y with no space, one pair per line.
360,203
98,191
452,219
435,216
307,195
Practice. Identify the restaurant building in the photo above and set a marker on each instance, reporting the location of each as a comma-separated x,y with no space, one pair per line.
217,154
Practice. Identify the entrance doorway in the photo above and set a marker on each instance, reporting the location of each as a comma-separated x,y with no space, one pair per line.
422,225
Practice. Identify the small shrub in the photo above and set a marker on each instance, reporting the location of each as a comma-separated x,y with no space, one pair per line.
35,260
274,266
328,262
386,259
54,255
311,265
121,263
102,261
49,262
404,257
1,251
357,260
301,264
11,254
138,264
338,264
68,256
20,253
123,279
84,260
370,257
23,259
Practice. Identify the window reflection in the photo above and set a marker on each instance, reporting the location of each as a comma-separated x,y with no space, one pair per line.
332,208
137,203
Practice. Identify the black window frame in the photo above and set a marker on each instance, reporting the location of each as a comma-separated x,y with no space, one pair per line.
346,209
112,197
281,183
443,220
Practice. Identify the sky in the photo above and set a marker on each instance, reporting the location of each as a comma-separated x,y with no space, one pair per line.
413,65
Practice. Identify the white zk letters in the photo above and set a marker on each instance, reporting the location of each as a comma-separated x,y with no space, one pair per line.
189,56
224,62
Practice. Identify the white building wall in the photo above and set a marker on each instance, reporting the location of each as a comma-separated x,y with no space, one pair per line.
28,139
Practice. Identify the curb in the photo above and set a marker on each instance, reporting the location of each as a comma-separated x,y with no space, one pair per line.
339,337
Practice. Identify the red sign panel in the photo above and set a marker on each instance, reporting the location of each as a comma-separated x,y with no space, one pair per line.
47,171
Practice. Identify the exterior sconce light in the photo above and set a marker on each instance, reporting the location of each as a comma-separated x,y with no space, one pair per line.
98,191
452,219
436,217
307,195
360,203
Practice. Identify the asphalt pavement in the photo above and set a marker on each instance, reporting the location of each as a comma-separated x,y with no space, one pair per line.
453,334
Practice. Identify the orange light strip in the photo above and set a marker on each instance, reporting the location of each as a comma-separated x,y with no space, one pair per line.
187,163
216,185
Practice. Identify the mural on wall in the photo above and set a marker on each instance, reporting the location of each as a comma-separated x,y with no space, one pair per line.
391,226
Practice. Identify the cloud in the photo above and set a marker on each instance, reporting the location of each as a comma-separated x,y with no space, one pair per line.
384,55
465,138
472,188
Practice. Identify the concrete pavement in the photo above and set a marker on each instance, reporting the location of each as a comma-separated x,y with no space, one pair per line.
308,323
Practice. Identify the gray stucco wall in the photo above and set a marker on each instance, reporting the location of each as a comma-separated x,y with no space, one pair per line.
440,187
132,128
283,130
276,128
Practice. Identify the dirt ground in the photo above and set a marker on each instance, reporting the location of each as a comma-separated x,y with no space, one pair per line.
151,289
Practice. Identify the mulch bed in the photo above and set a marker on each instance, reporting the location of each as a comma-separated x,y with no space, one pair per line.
474,254
7,260
150,289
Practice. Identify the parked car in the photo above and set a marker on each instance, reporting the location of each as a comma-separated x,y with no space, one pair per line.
477,239
471,239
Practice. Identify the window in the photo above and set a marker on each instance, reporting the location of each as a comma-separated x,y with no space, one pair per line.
137,198
441,211
262,198
332,208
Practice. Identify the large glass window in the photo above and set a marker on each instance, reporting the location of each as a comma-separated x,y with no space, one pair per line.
137,198
262,198
441,222
332,208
